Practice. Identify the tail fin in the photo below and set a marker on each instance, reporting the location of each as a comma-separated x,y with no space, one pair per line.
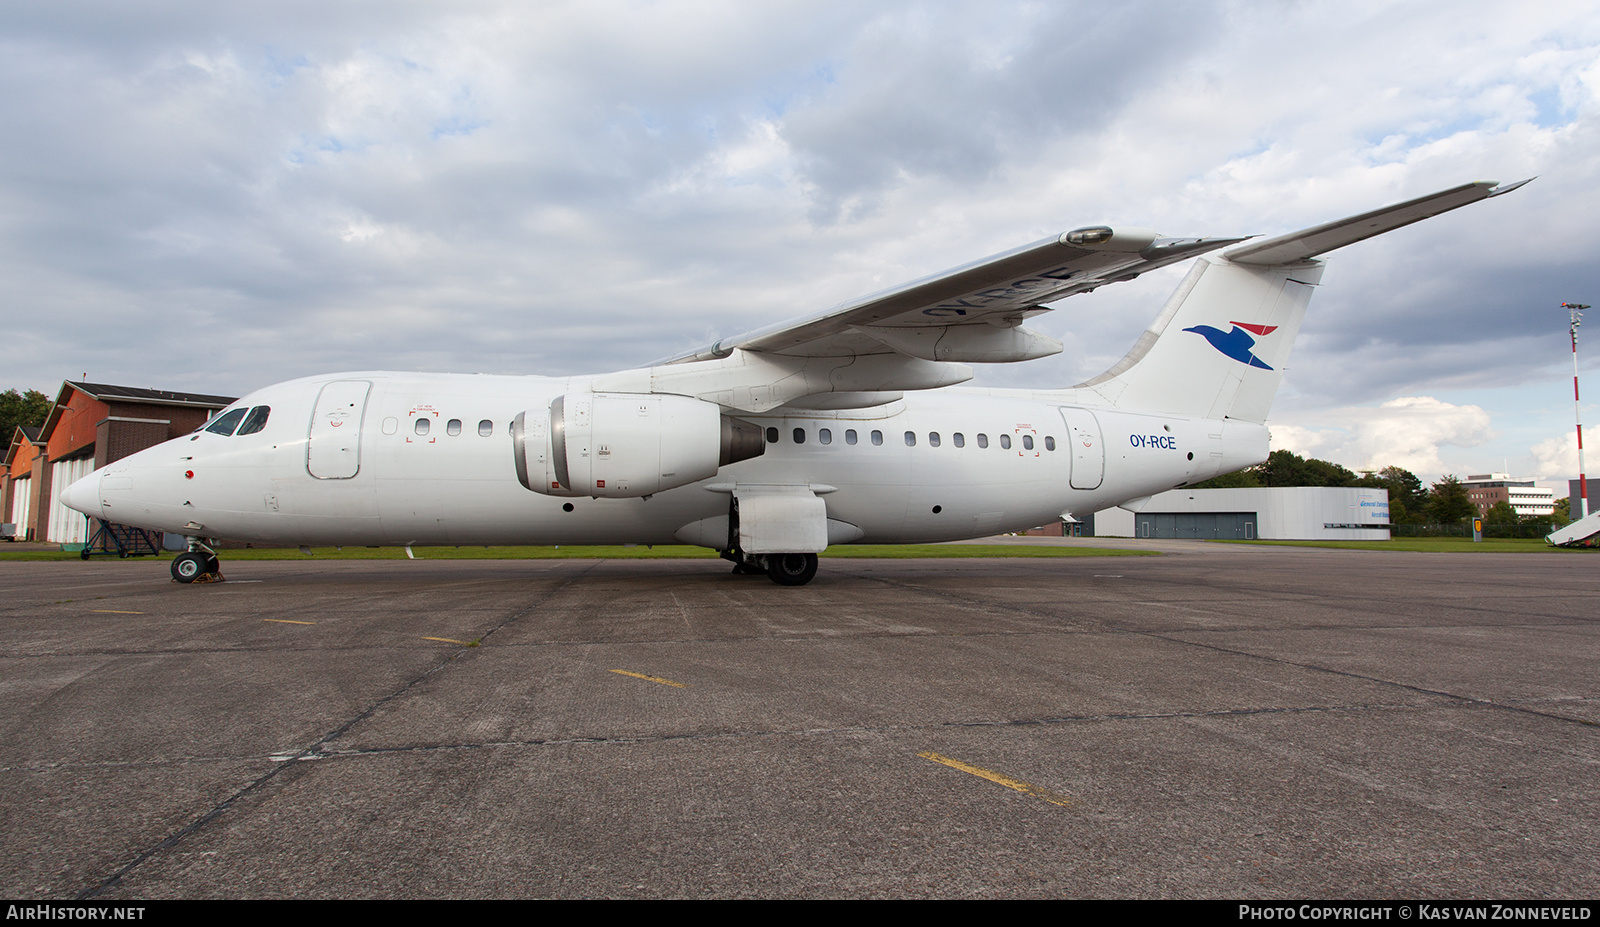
1218,348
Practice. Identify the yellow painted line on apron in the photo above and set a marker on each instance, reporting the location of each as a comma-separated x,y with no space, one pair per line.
286,621
665,682
114,611
1028,788
446,640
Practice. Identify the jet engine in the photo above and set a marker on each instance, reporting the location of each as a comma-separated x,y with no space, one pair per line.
623,445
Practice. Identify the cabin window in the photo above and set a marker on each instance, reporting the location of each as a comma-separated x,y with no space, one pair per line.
772,436
983,439
849,436
933,439
911,439
1027,442
877,437
1049,443
824,436
1005,442
226,422
799,436
255,421
485,428
959,439
453,427
391,425
422,426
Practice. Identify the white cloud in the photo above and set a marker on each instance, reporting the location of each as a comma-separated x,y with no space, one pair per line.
572,188
1557,458
1406,432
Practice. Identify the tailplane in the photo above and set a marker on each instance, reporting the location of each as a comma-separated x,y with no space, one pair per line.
1219,346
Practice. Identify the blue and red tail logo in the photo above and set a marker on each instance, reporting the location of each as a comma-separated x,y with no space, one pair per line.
1237,343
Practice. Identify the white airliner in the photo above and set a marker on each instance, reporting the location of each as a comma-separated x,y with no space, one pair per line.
836,428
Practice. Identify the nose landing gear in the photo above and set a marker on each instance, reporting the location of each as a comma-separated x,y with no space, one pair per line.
198,565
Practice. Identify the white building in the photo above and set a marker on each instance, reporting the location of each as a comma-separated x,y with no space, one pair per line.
1485,489
1304,513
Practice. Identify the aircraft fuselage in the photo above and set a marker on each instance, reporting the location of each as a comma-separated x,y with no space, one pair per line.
977,462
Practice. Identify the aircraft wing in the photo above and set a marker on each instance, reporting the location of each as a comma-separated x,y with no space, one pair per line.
971,313
1318,239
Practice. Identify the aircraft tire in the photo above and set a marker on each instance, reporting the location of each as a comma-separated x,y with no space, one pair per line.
213,565
186,568
792,569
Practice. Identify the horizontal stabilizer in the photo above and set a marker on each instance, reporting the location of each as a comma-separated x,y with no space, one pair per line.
1308,243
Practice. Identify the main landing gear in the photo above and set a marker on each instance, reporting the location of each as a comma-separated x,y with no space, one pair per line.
783,569
198,565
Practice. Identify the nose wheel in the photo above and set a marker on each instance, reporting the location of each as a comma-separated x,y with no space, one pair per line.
196,566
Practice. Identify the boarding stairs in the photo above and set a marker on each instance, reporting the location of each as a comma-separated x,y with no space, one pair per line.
1585,532
122,540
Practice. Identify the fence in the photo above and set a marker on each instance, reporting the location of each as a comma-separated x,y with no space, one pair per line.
1464,530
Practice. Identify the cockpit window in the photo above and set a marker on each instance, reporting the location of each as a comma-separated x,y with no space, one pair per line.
255,421
226,422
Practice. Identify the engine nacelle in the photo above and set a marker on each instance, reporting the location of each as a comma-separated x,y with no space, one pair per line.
622,445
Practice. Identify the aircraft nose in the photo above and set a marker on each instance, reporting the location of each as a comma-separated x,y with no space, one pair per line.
84,495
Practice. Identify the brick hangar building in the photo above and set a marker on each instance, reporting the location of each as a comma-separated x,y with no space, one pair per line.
90,425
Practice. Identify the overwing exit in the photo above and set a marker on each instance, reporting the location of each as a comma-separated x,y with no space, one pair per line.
847,426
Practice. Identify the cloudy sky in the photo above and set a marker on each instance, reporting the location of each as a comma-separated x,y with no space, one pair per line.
214,197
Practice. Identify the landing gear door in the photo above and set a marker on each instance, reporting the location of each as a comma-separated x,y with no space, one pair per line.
333,449
1088,450
781,520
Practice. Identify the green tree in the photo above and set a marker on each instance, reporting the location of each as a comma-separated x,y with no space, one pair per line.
1448,502
1406,495
16,408
1501,513
1562,513
1238,479
1286,468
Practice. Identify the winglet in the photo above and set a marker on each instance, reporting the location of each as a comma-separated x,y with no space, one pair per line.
1318,239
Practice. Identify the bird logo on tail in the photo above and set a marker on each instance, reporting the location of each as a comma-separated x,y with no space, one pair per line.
1238,342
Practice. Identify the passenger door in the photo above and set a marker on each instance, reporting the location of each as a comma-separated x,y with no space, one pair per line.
333,451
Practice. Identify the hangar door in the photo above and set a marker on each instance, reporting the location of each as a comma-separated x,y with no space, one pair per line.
333,451
1209,526
1088,453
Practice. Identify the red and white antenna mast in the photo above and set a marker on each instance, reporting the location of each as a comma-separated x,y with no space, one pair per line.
1575,310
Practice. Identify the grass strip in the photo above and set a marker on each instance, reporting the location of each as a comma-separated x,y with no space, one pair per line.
620,552
1433,545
